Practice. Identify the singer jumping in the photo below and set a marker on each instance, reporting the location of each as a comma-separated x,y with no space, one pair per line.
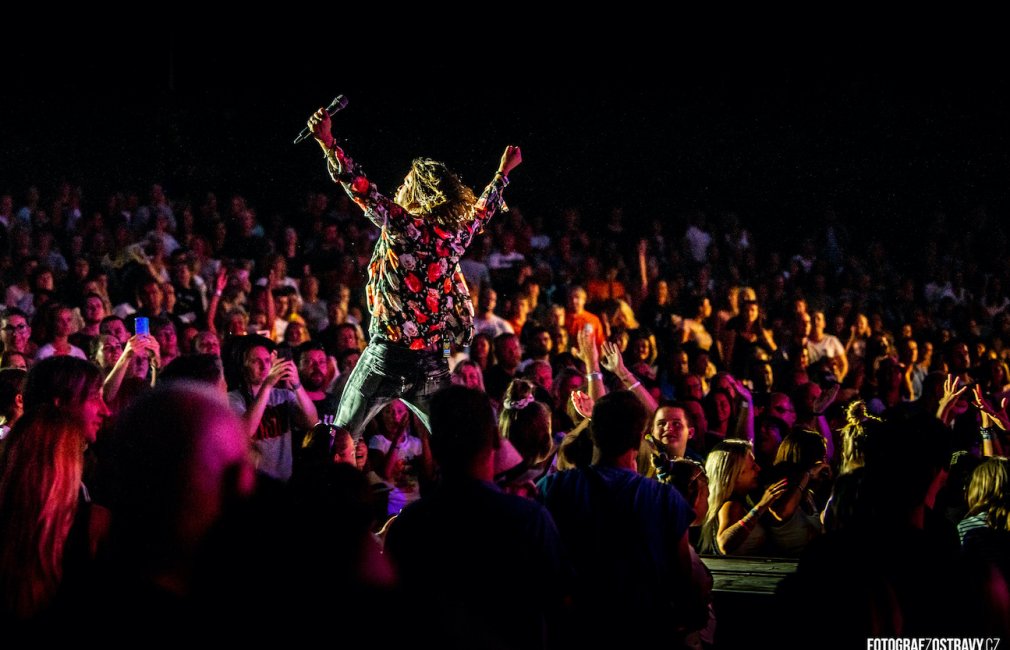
416,294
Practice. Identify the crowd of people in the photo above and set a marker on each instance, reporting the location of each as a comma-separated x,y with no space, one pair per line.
636,397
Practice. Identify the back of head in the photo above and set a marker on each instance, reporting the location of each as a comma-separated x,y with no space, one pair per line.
462,427
525,422
438,193
989,492
619,422
802,448
684,474
60,381
902,459
200,368
180,454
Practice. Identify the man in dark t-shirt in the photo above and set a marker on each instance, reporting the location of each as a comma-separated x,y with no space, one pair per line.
485,565
626,536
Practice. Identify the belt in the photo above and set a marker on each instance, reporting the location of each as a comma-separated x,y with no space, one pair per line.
436,347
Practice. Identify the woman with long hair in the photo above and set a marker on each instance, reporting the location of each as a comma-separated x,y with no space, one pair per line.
526,423
988,498
482,351
468,373
744,334
796,518
719,413
72,386
47,536
733,525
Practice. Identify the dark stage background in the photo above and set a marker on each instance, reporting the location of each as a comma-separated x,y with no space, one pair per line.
884,144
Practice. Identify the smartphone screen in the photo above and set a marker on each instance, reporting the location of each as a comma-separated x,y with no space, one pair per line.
141,326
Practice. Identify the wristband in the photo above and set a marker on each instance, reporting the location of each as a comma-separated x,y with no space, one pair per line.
986,433
591,375
634,385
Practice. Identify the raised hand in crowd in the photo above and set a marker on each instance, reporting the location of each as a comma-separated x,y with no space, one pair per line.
583,403
282,370
590,355
952,391
991,445
613,361
140,344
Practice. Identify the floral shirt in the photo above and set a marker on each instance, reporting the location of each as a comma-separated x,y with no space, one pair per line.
416,293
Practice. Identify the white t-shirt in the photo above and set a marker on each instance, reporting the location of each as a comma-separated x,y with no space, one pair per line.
405,490
409,447
48,350
829,347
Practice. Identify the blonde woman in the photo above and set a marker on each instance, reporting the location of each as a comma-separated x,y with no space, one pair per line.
733,524
988,498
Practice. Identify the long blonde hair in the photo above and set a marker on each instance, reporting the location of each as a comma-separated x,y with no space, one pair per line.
438,194
43,464
723,467
989,492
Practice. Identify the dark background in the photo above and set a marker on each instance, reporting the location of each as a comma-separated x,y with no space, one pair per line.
884,141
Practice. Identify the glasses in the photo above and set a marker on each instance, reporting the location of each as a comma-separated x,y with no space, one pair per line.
15,328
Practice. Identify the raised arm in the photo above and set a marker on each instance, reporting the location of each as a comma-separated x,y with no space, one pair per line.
736,525
991,421
745,424
139,344
490,200
590,355
613,362
220,282
379,209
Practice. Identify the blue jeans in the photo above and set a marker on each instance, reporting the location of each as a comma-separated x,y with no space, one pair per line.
385,372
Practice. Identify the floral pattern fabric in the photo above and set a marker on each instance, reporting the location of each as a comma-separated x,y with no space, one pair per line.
416,292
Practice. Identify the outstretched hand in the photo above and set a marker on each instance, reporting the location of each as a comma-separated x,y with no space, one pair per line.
587,350
221,280
612,360
952,390
510,159
583,403
990,415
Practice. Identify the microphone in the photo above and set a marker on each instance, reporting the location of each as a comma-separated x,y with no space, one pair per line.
338,104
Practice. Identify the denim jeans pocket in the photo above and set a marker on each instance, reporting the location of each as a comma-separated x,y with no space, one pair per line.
434,381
